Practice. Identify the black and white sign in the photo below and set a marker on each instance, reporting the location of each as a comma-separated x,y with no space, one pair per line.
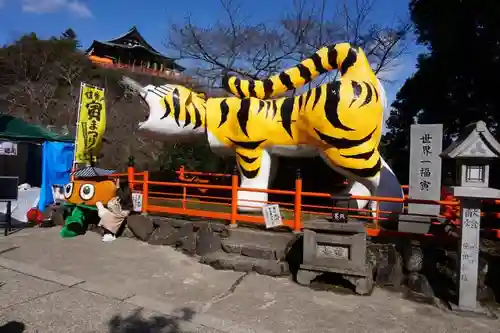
272,216
8,148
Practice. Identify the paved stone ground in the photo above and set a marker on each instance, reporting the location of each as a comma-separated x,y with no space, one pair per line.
83,285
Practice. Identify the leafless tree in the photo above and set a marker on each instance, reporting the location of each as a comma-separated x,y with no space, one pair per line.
35,80
257,50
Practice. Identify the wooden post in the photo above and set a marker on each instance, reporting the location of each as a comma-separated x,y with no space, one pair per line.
234,197
130,172
297,225
145,192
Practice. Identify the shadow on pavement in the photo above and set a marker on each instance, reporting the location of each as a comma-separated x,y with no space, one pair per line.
12,327
136,323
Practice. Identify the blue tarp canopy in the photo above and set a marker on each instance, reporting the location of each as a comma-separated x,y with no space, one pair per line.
57,161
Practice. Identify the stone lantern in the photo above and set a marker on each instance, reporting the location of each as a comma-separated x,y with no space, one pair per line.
474,152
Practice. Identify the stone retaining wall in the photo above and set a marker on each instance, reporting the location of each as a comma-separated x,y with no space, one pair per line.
429,273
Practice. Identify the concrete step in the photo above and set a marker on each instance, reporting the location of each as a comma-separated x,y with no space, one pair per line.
239,263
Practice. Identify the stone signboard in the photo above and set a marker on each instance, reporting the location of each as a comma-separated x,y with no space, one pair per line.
425,167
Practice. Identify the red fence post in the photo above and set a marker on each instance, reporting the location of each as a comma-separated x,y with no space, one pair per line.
130,172
297,223
145,192
234,197
184,189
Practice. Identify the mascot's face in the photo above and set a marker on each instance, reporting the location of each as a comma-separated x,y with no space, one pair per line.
89,192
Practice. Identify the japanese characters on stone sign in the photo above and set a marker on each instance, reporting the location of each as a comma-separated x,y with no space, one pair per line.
425,167
272,216
339,217
469,253
91,122
426,162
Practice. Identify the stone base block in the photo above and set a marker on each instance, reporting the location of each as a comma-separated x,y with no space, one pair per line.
478,311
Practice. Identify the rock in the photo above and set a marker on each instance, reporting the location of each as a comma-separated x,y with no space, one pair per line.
238,266
222,260
141,226
448,270
218,227
176,223
259,252
224,233
187,238
97,229
271,267
390,268
159,221
485,294
164,235
249,249
58,217
231,247
239,263
305,277
127,232
373,254
362,285
207,241
413,258
214,226
420,284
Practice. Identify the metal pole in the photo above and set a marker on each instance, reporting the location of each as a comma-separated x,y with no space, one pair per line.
77,127
8,223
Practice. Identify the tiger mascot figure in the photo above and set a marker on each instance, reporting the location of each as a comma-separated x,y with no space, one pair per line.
340,120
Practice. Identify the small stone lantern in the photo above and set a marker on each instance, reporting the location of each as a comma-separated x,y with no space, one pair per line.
474,151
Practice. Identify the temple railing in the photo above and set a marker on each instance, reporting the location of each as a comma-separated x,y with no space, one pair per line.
165,73
195,196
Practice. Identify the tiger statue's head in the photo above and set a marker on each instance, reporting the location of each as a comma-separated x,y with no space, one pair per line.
174,111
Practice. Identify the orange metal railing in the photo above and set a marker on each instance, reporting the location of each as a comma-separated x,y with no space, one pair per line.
187,193
139,182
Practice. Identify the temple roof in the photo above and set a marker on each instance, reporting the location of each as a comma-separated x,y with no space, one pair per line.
132,39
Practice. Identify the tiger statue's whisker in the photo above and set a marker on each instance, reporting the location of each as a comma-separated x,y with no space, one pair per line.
340,121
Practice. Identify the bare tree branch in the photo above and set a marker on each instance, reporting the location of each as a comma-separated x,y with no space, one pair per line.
257,50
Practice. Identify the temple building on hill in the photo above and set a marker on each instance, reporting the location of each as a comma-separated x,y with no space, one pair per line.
131,50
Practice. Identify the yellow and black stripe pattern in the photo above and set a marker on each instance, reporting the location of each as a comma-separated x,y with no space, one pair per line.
342,119
181,104
343,57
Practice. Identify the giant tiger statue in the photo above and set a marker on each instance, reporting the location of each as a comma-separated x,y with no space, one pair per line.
340,120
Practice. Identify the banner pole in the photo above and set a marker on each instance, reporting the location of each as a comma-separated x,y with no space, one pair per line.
73,168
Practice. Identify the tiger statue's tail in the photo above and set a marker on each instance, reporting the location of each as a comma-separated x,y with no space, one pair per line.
349,60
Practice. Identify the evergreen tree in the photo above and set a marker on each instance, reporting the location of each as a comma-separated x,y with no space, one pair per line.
456,81
70,34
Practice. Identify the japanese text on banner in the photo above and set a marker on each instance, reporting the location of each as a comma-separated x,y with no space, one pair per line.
91,123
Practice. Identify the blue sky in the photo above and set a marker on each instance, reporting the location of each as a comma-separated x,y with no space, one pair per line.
105,19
